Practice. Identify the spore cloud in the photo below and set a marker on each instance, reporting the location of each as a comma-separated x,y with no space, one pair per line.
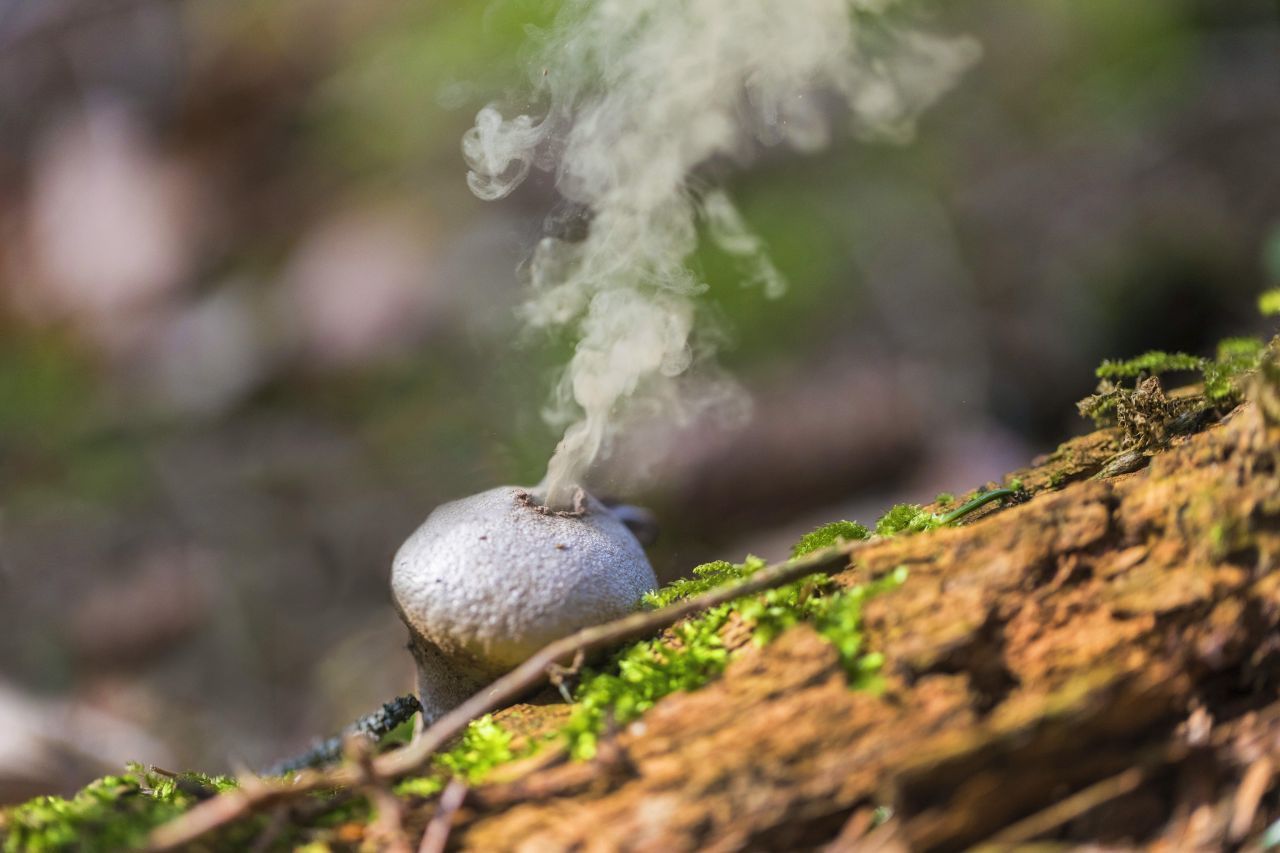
635,96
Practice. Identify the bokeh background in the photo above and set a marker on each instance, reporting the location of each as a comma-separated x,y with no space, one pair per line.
253,327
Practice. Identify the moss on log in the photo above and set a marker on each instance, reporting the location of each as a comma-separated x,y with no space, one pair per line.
1097,664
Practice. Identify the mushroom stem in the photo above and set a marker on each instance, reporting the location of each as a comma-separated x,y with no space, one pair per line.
445,682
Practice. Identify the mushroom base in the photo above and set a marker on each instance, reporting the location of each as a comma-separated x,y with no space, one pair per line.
445,681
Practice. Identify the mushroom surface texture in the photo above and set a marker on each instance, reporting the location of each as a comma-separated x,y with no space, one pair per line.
488,580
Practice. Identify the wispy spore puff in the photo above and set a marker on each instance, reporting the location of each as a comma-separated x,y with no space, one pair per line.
637,95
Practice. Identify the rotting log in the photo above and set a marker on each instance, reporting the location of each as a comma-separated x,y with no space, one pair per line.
1097,665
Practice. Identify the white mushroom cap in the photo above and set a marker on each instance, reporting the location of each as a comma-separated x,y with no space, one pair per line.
488,580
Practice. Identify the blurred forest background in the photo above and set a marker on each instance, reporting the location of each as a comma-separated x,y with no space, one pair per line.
253,326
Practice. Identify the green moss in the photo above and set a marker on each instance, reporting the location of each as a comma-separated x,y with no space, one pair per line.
425,787
944,499
484,745
1218,540
117,812
1269,302
838,618
912,518
706,577
343,811
828,535
1236,358
1100,406
644,672
1234,349
113,813
641,674
906,518
1223,378
1149,364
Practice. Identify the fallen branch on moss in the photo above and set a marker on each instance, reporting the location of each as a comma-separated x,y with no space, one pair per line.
436,837
258,793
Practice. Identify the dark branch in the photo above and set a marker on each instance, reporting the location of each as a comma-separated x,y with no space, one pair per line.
371,726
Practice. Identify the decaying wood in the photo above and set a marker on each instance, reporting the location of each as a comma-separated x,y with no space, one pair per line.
1098,665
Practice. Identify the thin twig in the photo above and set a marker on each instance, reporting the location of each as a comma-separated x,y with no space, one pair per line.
232,805
558,675
979,501
436,836
1055,815
1256,782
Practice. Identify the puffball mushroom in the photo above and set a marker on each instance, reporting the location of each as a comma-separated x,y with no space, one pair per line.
488,580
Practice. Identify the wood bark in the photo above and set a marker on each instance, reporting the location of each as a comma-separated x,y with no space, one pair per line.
1097,665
